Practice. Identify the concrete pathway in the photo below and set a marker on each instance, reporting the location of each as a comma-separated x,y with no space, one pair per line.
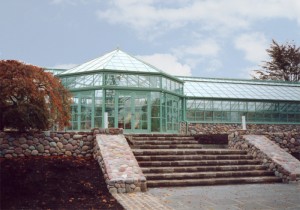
231,197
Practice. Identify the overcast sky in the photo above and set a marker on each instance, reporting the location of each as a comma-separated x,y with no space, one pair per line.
215,38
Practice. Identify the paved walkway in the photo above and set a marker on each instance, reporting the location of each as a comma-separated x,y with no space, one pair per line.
231,197
140,201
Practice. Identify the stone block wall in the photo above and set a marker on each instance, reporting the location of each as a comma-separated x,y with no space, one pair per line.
288,141
38,144
276,159
81,144
119,166
205,128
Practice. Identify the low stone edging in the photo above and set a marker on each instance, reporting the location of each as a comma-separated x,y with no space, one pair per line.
119,166
269,153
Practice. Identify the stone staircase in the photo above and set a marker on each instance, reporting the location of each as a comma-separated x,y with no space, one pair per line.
172,160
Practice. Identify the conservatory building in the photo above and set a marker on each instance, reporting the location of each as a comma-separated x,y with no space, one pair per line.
119,90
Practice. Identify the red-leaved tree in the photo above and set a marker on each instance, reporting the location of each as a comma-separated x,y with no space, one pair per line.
31,98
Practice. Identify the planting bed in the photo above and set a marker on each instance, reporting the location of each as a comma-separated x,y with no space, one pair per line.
53,183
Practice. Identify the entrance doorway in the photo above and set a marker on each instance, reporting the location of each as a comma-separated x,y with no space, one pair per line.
133,115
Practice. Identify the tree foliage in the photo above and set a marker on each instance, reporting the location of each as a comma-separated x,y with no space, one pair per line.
31,98
283,65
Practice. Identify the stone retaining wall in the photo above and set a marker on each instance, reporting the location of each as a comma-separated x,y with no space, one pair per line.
200,128
119,166
38,144
15,144
288,141
268,152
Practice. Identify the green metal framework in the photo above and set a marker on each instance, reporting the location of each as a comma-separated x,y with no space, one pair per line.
141,98
140,101
227,100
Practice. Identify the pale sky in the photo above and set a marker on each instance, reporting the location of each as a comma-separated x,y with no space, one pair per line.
204,38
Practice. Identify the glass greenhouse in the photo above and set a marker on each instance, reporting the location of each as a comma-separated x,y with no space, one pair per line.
140,98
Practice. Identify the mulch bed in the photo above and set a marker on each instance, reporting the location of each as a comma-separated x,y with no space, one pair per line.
53,183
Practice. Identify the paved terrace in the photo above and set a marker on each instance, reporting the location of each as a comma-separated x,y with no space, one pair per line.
223,197
231,197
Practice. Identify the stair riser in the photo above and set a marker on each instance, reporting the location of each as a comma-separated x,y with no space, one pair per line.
186,152
193,157
164,142
158,135
207,175
161,138
198,163
210,182
201,169
176,146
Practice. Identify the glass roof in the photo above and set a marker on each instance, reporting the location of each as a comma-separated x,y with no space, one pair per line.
115,60
243,89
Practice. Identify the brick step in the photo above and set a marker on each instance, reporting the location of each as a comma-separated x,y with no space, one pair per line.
205,175
154,142
192,157
168,146
140,152
202,168
169,138
196,162
213,181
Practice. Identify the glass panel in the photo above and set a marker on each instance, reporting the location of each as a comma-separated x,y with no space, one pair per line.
98,108
250,116
226,105
235,117
133,80
199,116
217,105
271,107
241,89
140,111
97,79
190,115
86,110
251,106
144,81
208,116
208,105
110,106
154,82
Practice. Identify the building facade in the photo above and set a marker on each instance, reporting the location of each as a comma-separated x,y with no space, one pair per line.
140,98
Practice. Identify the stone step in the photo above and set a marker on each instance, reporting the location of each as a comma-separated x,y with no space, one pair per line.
170,146
158,135
192,157
196,162
164,142
205,175
169,138
140,152
202,168
213,181
214,146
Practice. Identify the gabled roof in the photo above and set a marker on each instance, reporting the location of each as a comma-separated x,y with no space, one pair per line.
197,87
116,60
